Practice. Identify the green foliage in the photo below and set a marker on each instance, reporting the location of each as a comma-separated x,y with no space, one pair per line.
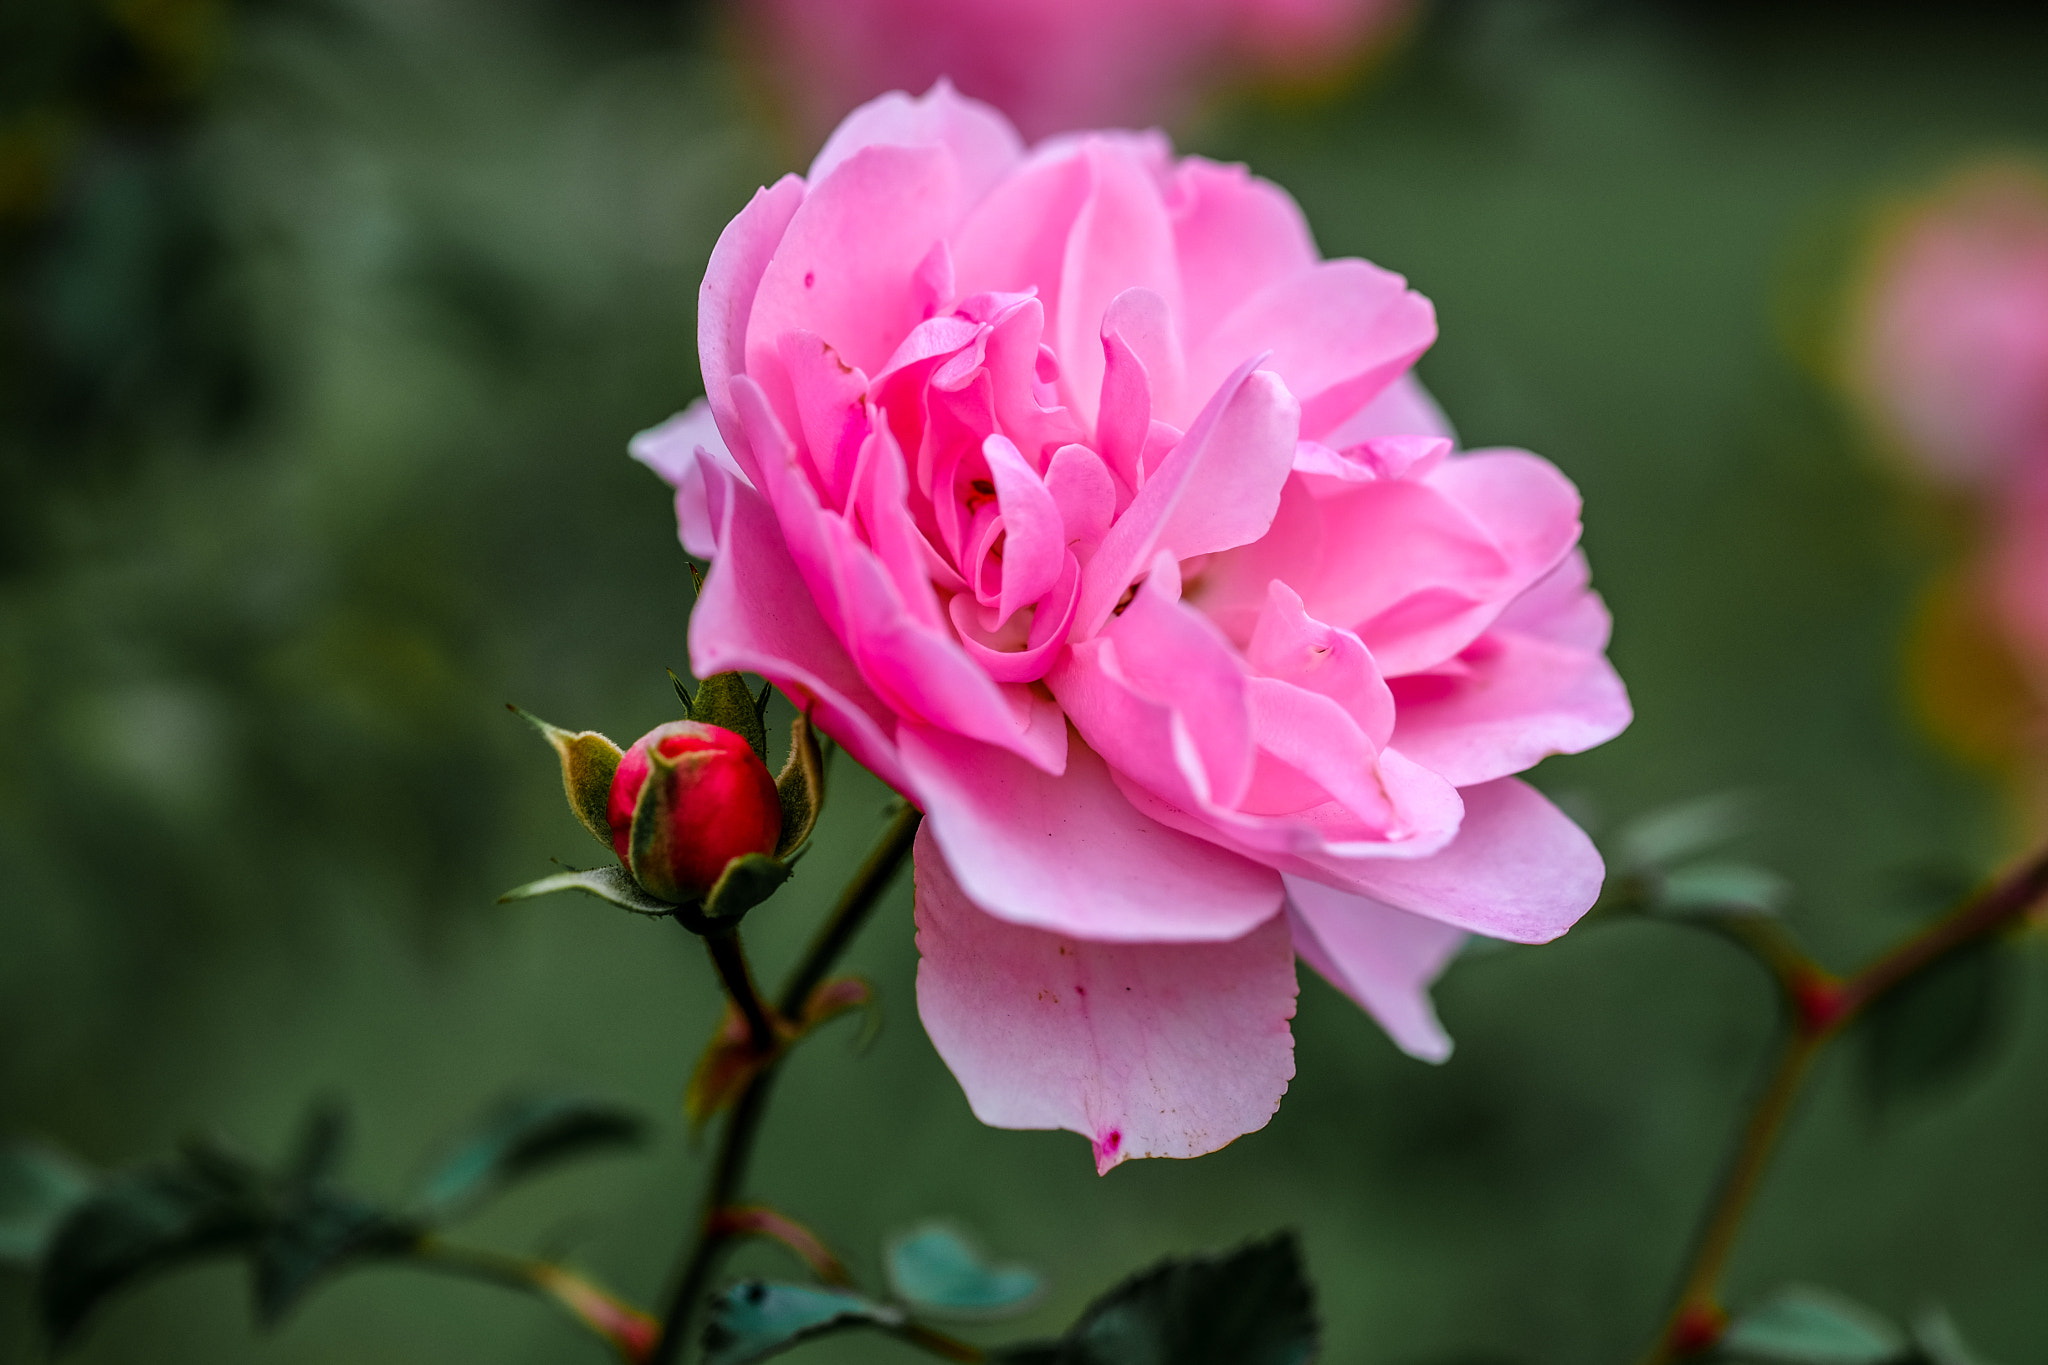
934,1268
801,787
724,700
612,883
1659,868
39,1186
1937,1028
1253,1306
517,1139
757,1319
747,881
1802,1326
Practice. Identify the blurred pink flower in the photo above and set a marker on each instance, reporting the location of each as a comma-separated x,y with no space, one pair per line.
1949,354
1052,65
1102,518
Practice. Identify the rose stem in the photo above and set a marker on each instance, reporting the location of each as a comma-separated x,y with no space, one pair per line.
1820,1008
736,1144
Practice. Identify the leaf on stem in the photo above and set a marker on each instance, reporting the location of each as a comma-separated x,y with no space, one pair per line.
758,1220
1673,833
1801,1326
613,884
319,1233
39,1187
1938,1341
205,1201
934,1268
518,1138
757,1319
1253,1306
1934,1029
1721,889
589,761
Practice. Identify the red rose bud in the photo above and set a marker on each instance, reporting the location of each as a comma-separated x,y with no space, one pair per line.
711,801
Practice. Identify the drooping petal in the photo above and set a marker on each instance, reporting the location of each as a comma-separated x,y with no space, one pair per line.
725,300
1338,334
984,145
748,620
670,450
1383,958
1519,869
1070,854
1145,1049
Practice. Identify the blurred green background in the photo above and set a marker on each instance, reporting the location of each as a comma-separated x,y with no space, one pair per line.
325,323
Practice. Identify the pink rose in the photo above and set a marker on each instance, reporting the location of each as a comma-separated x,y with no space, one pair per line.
1950,356
1051,65
1101,518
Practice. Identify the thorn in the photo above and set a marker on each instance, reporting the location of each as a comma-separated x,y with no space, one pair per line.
696,579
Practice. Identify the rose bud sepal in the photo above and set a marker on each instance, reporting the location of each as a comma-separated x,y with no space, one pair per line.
800,790
724,700
589,762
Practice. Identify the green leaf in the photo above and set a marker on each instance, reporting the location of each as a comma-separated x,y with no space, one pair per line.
1721,888
1812,1327
747,881
318,1233
518,1138
801,787
1933,1030
1673,833
613,884
39,1187
207,1201
589,762
723,700
1251,1307
758,1319
1938,1341
323,1141
934,1268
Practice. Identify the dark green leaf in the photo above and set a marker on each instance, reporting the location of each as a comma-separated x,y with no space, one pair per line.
517,1138
1674,833
614,884
39,1186
1251,1307
323,1141
1812,1327
204,1202
935,1268
756,1319
319,1233
1935,1029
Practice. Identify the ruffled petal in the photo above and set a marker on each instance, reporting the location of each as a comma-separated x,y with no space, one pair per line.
1383,958
670,450
1145,1049
1070,854
1236,235
984,145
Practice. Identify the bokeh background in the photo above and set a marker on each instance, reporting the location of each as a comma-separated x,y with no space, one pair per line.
324,324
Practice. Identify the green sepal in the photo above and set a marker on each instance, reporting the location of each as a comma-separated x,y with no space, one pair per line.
589,761
724,700
613,884
801,787
746,882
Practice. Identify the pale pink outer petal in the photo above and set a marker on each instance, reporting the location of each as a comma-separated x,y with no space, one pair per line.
1403,408
1383,958
984,145
748,620
1120,239
670,450
1519,869
1150,1049
1070,854
726,298
1236,234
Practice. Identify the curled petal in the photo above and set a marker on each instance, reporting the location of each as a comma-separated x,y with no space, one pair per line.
725,301
1145,1049
671,451
984,146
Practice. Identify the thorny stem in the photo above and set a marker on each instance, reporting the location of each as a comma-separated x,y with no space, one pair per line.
1820,1008
736,1144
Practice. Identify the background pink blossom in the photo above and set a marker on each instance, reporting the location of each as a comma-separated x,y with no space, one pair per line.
1051,65
1097,514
